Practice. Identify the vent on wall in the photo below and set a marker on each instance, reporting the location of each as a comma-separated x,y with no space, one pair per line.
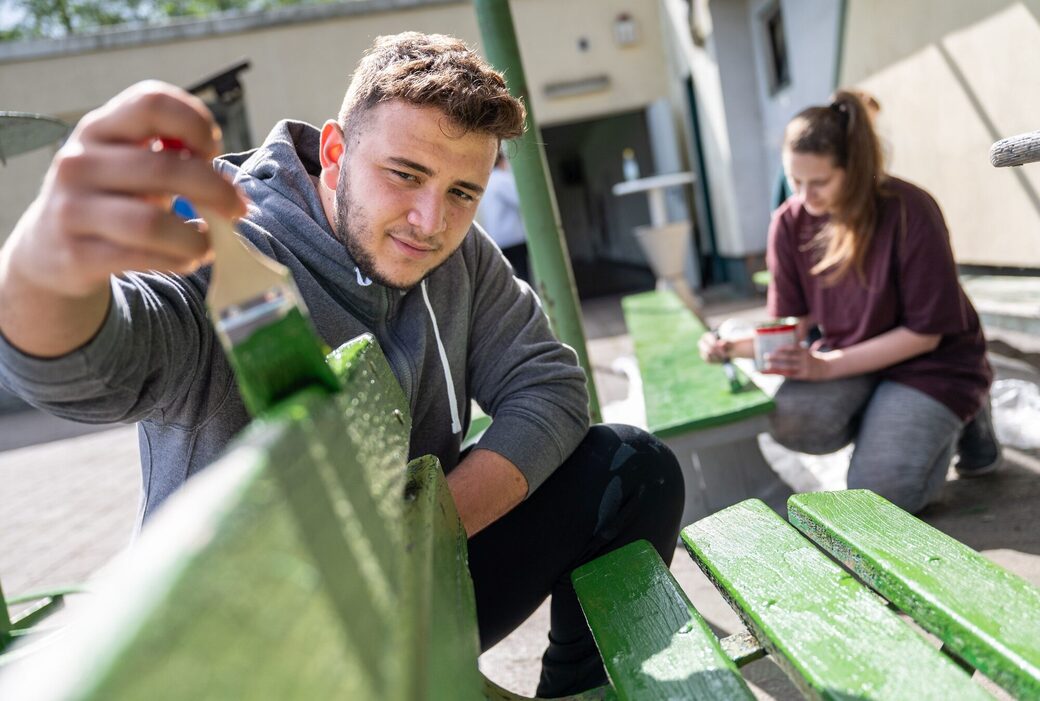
582,86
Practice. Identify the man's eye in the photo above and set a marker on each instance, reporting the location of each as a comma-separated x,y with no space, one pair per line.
462,195
404,176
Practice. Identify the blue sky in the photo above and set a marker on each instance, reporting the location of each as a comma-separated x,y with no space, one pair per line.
8,15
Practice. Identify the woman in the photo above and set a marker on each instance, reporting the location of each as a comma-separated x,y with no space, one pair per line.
900,366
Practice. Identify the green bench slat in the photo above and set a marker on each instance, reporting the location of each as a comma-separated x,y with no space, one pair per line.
682,392
983,613
653,642
440,607
826,630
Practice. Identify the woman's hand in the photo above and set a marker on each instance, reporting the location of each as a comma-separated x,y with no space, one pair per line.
713,349
798,363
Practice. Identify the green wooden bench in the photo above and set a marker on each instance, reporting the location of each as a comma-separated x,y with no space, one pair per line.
712,431
20,617
833,637
309,562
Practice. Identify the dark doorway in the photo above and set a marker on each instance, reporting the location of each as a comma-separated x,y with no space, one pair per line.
585,163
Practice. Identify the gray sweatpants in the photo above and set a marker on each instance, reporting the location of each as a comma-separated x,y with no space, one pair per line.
904,439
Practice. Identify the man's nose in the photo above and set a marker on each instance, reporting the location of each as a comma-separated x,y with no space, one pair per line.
428,213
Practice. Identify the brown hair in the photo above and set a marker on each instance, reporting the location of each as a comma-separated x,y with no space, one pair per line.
843,131
433,70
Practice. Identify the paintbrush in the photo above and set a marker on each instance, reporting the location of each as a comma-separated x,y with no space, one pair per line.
260,318
261,321
735,385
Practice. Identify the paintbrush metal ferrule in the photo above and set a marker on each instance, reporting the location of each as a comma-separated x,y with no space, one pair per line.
238,322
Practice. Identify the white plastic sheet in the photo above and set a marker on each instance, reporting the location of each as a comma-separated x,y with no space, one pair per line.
1016,413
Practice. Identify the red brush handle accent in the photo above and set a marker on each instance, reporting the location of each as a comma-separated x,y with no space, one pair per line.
169,143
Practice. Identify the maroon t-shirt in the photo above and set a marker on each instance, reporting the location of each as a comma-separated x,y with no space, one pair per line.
910,279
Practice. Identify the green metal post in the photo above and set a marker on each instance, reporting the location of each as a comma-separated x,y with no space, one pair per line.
545,242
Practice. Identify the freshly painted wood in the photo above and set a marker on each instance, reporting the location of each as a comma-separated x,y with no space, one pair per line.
682,392
983,613
440,610
825,629
275,573
653,642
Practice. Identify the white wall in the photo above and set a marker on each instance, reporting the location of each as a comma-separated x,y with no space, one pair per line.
703,65
751,172
957,76
741,121
811,28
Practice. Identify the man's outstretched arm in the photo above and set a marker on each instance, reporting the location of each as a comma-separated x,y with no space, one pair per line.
104,209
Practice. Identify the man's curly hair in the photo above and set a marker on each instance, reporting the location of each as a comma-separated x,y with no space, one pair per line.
433,70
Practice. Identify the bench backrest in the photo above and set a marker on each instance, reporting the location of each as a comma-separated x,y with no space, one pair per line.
305,563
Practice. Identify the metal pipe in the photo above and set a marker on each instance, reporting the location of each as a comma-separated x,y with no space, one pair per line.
545,242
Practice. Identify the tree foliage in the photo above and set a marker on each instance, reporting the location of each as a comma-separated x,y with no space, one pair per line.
61,18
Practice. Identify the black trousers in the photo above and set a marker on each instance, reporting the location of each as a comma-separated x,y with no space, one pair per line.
620,485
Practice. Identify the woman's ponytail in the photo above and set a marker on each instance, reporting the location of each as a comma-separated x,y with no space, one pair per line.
844,130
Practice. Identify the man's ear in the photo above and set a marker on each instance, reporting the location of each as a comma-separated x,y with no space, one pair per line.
330,151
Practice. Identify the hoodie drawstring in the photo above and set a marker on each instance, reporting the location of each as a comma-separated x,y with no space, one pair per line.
456,424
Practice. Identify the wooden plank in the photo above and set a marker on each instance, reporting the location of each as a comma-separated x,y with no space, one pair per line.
826,630
983,613
443,641
653,642
266,576
682,392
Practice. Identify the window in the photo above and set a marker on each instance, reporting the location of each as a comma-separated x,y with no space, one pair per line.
776,44
224,95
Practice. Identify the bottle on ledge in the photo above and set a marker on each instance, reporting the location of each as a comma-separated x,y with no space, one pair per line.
629,164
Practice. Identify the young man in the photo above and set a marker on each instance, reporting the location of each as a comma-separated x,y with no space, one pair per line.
373,214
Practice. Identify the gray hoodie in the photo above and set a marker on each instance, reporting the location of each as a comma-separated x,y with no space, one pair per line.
470,330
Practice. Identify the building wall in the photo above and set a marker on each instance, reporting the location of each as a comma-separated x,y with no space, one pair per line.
302,59
702,62
751,177
812,45
742,120
959,75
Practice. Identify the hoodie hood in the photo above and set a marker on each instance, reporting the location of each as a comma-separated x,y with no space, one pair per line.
287,221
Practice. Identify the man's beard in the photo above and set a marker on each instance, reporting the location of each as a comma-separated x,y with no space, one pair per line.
350,217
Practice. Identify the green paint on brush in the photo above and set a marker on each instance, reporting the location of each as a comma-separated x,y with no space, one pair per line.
278,360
